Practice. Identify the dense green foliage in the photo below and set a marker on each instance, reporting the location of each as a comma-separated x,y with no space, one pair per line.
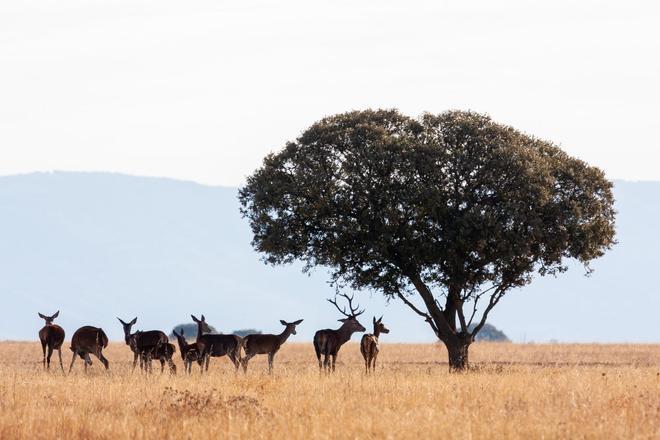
453,207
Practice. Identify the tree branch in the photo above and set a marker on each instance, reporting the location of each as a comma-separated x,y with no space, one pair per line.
494,299
477,297
461,317
444,330
426,316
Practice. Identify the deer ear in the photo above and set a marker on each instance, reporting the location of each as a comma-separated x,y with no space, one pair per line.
122,322
203,319
298,322
343,320
375,320
194,319
283,322
41,316
380,319
133,321
55,315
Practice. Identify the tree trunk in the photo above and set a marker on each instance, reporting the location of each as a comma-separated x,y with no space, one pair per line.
458,354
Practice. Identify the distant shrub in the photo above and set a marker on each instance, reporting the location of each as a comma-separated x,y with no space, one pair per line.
190,330
489,333
247,331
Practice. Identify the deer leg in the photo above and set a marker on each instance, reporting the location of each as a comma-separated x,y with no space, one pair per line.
135,359
245,361
59,353
43,348
105,362
232,358
50,353
208,360
334,359
162,365
88,361
271,356
72,361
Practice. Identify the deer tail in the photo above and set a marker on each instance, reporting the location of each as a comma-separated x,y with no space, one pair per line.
101,338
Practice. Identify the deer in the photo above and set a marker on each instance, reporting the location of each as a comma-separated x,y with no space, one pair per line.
89,340
151,339
369,345
211,345
52,338
163,352
189,352
267,344
328,342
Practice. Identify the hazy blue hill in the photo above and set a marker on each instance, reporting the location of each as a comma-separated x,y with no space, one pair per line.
97,245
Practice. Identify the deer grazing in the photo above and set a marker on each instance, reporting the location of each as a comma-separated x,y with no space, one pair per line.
145,342
328,342
211,345
89,340
51,337
369,345
189,352
267,344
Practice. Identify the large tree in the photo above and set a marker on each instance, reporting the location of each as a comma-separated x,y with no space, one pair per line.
446,212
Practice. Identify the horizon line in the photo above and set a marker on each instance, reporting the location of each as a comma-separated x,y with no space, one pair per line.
196,182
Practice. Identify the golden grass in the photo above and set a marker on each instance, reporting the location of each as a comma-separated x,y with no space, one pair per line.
515,391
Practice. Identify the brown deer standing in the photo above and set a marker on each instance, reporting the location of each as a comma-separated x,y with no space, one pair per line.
51,337
89,340
210,345
147,341
369,345
328,342
189,352
267,344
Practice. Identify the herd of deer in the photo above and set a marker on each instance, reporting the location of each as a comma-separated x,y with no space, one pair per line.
154,344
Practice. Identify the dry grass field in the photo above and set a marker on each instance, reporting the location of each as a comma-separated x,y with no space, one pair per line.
514,391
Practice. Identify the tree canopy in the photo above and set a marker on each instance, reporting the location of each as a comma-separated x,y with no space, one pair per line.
453,208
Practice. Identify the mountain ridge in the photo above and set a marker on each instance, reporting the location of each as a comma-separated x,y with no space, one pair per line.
99,245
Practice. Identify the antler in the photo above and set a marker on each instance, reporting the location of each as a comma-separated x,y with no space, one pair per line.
342,310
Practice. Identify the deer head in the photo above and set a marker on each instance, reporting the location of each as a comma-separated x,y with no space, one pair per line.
49,319
379,327
180,336
202,326
350,321
290,326
127,328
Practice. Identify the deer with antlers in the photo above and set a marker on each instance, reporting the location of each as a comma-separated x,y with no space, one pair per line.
189,352
89,340
211,345
267,344
328,342
142,343
369,345
51,337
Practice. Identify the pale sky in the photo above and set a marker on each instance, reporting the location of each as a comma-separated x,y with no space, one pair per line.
202,90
